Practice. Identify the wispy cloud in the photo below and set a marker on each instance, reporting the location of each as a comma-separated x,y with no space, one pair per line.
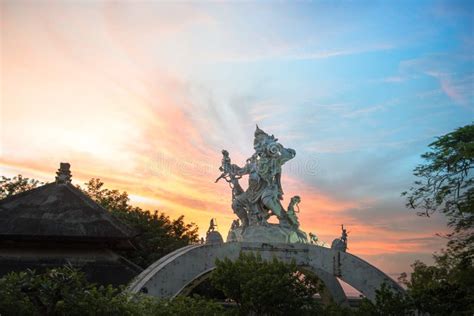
341,52
453,79
289,54
145,96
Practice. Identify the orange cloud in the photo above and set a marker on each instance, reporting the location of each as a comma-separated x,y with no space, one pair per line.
110,97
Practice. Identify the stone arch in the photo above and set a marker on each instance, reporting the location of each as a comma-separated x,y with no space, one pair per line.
172,274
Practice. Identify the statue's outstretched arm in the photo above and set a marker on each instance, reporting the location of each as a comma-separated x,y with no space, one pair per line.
241,171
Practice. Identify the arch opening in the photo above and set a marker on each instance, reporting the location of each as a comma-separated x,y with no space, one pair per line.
331,292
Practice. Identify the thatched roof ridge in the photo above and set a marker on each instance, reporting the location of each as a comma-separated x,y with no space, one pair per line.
58,211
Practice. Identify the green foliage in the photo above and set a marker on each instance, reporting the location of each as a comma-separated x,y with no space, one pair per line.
266,287
387,303
446,288
446,183
58,292
65,291
205,289
15,185
445,179
333,309
157,233
186,306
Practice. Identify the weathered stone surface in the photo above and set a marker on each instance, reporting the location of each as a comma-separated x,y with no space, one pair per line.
214,237
268,233
182,269
263,196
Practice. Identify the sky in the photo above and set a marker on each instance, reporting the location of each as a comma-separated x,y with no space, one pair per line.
146,94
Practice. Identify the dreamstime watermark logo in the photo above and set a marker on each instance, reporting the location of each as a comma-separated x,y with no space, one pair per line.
166,165
302,167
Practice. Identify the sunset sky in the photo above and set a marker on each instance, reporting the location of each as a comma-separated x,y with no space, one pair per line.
146,94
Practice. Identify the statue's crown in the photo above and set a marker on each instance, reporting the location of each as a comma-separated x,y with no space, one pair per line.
260,134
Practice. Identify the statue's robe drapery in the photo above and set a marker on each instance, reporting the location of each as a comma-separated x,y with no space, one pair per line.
264,178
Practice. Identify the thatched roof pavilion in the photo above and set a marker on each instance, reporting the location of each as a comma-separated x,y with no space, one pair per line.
58,211
56,224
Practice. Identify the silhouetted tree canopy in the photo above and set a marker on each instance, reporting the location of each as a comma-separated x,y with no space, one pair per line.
387,303
445,288
446,184
157,233
15,185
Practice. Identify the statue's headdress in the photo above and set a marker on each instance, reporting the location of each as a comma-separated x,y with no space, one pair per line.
260,133
260,136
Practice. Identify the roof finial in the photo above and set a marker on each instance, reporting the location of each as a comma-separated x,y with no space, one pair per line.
63,175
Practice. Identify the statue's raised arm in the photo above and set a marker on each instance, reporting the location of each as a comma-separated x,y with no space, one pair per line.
231,173
229,170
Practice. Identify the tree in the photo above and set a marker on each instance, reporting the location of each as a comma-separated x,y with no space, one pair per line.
15,185
186,306
387,303
58,291
445,288
446,184
266,287
158,235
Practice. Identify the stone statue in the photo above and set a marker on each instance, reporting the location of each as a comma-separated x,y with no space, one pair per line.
212,235
264,193
313,239
341,243
212,226
63,175
230,174
235,224
291,213
344,234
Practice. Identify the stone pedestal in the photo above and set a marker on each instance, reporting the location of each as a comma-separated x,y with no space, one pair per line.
271,233
214,238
